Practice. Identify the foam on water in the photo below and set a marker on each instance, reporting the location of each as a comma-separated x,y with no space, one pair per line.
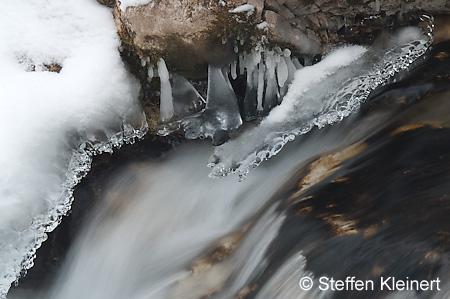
64,96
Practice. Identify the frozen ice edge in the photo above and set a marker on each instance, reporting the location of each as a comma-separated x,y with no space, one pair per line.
79,166
392,64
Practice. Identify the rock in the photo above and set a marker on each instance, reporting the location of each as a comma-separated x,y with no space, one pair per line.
259,6
442,28
109,3
272,5
177,31
286,13
283,33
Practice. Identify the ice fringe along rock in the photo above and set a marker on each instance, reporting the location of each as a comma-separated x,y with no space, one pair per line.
312,99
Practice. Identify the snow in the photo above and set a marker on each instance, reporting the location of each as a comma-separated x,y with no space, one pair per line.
45,117
243,8
308,76
125,3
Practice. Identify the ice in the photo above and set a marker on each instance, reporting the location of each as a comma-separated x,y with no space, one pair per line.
290,75
64,95
222,111
166,109
270,96
241,64
320,95
186,99
282,72
251,92
234,70
261,70
150,72
297,63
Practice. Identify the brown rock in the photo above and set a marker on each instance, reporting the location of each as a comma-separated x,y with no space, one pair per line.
286,13
178,31
109,3
259,6
282,32
272,5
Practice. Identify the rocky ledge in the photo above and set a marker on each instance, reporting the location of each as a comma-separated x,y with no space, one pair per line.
190,35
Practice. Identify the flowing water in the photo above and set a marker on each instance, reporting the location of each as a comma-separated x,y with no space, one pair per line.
164,229
362,190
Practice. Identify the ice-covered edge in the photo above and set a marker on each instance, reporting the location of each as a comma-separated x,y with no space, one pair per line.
392,64
79,166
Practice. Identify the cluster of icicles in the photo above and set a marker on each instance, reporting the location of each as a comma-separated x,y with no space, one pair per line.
269,74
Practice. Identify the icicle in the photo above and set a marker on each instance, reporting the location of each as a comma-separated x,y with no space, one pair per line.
250,67
270,65
186,99
297,63
234,70
166,106
270,97
308,60
249,104
227,78
291,69
241,64
282,72
150,72
290,76
221,99
260,93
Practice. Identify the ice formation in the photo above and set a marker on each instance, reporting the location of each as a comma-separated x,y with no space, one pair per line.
268,74
166,106
321,94
64,96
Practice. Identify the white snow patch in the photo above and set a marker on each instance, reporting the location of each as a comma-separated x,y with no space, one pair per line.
306,77
46,116
125,3
243,8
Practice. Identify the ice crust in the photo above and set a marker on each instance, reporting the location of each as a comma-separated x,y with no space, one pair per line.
64,96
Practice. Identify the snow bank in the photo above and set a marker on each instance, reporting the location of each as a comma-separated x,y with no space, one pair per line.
64,93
